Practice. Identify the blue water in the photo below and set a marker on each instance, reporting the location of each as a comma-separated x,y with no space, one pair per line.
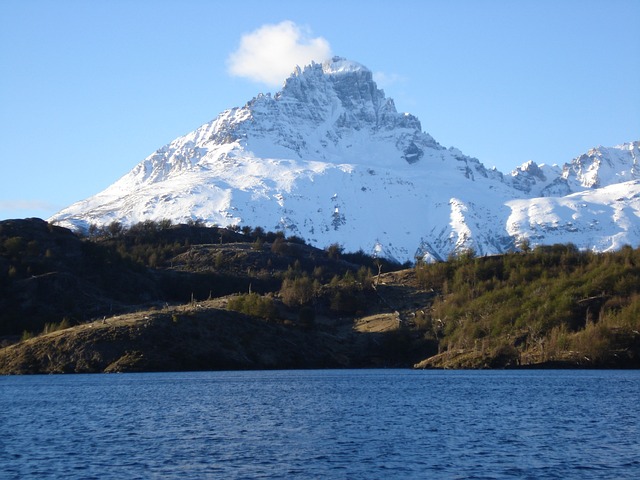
351,424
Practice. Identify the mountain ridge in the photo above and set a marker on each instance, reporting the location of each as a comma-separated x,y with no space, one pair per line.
329,159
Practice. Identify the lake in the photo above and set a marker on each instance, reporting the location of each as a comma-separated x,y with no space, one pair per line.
346,424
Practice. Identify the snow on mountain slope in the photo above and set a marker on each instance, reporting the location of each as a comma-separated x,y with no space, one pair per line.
600,219
539,180
600,167
331,160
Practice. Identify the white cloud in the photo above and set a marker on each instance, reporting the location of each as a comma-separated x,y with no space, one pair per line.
270,53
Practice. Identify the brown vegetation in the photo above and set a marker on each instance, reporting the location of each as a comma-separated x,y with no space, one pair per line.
158,296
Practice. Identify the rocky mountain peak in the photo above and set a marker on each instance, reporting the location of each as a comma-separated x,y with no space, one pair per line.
331,160
530,168
602,166
343,84
323,109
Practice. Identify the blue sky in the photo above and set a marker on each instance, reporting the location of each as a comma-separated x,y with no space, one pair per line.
90,88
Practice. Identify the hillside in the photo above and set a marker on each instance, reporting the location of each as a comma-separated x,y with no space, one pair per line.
201,336
164,297
85,304
547,306
48,273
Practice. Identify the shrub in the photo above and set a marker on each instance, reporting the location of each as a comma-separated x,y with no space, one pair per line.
115,229
258,244
54,327
296,239
334,251
559,342
254,305
594,342
26,335
258,232
433,275
345,302
297,291
220,261
195,222
279,246
365,277
14,245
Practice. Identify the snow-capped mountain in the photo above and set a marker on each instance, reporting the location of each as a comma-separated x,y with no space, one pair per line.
599,167
329,159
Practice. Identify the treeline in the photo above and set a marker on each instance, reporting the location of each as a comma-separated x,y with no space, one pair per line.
48,273
349,294
152,243
298,280
551,303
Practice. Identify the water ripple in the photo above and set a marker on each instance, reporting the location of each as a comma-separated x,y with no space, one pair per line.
322,424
